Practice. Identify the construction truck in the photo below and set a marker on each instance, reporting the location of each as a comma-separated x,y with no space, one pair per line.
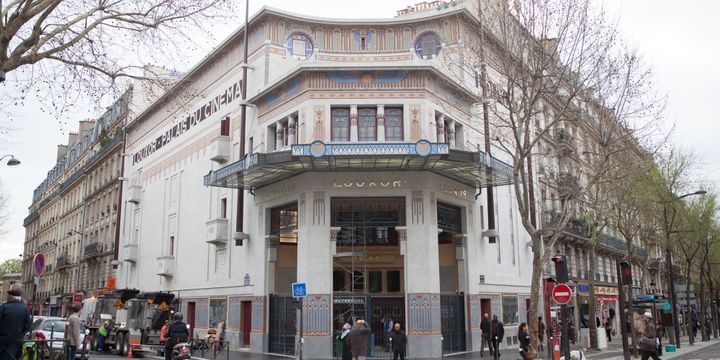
109,306
137,319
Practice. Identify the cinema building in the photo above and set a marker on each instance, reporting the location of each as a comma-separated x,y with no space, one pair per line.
365,177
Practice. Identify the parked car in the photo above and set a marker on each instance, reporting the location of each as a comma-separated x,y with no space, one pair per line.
44,327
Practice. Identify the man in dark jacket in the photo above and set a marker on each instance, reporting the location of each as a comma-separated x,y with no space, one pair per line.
359,340
485,328
15,321
398,339
176,333
497,332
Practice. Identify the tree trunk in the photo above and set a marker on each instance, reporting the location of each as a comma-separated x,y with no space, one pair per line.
703,303
713,307
688,319
535,296
592,324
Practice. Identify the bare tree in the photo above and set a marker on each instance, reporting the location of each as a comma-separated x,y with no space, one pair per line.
543,66
62,50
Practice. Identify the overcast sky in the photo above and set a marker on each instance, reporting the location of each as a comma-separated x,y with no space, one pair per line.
678,39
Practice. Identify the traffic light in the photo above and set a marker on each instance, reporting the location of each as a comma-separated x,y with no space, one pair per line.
714,301
561,272
625,273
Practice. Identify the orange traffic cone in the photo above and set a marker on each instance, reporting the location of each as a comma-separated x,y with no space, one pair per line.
556,349
130,355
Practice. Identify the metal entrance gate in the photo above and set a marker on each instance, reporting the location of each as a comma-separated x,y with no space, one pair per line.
379,311
452,310
282,327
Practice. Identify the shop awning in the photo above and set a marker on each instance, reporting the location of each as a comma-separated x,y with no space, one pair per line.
262,169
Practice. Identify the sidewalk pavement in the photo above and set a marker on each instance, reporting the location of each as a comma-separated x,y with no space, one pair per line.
614,350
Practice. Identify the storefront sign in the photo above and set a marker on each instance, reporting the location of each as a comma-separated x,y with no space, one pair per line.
644,297
583,289
368,183
189,121
605,298
605,290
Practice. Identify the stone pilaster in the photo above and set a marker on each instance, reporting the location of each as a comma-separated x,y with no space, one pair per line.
279,135
381,123
292,130
353,123
440,127
314,267
451,133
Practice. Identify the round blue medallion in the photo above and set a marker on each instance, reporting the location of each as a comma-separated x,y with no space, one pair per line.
423,148
317,148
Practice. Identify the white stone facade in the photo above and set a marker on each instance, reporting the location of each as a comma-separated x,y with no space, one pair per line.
177,233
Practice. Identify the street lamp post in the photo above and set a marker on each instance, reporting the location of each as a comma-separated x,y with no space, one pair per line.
668,256
13,160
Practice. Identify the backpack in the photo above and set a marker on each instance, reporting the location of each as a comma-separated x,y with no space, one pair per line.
29,351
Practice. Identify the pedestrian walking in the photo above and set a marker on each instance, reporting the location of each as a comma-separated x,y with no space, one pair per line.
648,340
572,334
398,339
608,330
497,332
345,341
524,339
15,321
72,331
485,328
541,333
359,340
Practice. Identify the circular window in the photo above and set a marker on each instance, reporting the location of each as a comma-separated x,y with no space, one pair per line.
428,45
299,46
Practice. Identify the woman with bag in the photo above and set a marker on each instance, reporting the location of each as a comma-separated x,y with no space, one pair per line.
524,340
648,340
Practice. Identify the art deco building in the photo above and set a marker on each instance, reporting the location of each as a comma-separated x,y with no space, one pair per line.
362,178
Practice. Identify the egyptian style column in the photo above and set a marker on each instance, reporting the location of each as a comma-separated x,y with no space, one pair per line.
440,126
451,133
353,123
381,123
315,268
292,130
279,135
259,337
422,277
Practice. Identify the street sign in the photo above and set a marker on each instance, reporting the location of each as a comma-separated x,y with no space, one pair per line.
666,306
298,290
562,294
39,264
77,298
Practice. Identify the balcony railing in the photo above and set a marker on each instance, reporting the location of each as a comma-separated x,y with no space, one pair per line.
573,226
565,142
62,261
93,249
568,185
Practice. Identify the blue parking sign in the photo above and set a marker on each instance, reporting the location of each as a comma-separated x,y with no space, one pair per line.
298,290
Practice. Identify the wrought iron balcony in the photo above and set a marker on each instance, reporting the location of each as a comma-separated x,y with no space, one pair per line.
573,226
94,249
62,261
616,244
568,185
565,142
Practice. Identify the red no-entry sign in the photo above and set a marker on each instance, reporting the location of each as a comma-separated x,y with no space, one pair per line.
562,294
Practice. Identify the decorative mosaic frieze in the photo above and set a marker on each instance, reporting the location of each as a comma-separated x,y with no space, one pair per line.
424,314
317,313
258,314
